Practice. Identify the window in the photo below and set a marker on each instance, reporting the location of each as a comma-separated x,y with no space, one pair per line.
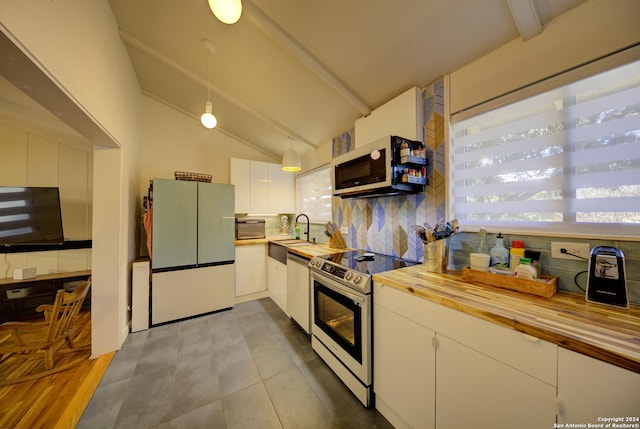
565,161
313,194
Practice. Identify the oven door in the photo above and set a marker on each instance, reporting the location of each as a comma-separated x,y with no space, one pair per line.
342,322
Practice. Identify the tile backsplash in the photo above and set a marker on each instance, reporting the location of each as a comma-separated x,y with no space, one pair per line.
572,275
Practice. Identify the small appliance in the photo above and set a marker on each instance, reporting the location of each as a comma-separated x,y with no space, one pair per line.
249,228
607,282
390,166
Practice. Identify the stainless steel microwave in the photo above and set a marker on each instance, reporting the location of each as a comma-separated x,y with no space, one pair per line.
390,166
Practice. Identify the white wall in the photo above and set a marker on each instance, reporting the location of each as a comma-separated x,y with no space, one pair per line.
591,30
173,141
76,43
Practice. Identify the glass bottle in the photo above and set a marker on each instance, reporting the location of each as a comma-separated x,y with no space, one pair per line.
482,247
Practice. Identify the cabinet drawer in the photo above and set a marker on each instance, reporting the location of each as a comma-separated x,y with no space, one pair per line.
533,356
410,306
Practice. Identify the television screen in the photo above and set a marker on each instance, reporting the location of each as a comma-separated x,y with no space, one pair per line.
30,215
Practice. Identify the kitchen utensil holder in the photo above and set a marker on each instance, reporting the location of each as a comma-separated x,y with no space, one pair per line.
436,256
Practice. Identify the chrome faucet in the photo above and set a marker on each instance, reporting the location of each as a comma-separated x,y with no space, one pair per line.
307,231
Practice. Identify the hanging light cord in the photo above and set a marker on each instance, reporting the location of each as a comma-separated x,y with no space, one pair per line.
208,76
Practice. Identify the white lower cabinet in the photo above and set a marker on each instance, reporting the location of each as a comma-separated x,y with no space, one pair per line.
474,390
298,292
403,370
438,367
589,390
277,283
251,272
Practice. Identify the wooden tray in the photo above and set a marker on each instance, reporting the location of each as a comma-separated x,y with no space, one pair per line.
546,286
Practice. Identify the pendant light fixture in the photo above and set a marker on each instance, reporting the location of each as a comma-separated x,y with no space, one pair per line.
207,118
227,11
291,160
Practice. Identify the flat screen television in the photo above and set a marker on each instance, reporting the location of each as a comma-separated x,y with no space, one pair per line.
30,215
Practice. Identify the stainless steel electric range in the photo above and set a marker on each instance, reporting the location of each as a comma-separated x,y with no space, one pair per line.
341,313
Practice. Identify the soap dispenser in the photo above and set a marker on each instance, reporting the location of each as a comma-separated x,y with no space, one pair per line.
499,253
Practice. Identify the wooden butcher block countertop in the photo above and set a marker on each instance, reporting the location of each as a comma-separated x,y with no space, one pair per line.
600,331
312,250
306,251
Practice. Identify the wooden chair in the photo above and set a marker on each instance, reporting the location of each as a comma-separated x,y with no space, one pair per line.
45,340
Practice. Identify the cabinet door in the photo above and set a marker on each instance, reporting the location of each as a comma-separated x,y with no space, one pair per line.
277,283
251,271
589,388
259,187
241,178
474,390
298,295
282,190
403,370
175,223
216,223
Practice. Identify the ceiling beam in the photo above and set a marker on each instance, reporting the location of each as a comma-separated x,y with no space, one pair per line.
277,33
526,18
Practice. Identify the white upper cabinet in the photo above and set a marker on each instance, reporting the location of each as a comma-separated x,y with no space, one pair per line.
282,190
262,187
401,116
259,173
241,178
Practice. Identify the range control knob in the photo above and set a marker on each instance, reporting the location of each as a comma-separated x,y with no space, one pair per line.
357,279
348,275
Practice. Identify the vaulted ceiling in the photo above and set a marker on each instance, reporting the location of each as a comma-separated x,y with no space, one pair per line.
308,69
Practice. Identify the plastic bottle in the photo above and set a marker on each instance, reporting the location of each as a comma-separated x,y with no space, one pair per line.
482,247
525,270
297,231
517,252
535,260
499,253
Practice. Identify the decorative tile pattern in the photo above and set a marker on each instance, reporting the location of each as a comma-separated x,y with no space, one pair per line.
384,224
343,143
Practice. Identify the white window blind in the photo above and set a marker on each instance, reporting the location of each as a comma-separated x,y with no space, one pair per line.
313,194
565,161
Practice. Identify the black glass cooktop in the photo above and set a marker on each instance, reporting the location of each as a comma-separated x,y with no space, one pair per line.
368,262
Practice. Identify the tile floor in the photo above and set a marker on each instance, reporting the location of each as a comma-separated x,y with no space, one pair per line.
248,367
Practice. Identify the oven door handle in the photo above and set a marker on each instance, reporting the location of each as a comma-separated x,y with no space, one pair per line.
337,287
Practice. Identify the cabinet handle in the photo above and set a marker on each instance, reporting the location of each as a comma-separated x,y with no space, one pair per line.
531,338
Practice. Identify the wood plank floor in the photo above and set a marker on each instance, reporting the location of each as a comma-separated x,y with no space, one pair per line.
56,401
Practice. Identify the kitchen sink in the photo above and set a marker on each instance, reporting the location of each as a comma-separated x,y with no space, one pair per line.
293,242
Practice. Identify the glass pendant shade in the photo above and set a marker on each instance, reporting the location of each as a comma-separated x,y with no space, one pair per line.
227,11
207,118
291,161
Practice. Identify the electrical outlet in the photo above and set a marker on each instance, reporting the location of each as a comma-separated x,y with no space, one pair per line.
344,230
581,250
